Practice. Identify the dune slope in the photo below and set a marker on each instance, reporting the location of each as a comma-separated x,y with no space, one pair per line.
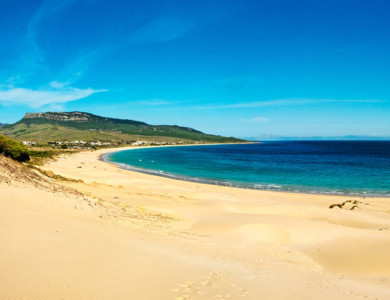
124,235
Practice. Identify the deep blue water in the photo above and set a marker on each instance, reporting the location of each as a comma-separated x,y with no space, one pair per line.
334,167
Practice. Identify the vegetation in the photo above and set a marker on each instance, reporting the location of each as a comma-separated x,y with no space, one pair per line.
38,157
96,128
13,149
21,153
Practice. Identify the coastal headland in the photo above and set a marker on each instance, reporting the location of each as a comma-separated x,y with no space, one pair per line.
111,233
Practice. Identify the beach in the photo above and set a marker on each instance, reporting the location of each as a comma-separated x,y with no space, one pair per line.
118,234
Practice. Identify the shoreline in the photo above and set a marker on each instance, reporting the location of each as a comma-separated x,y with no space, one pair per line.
216,182
112,234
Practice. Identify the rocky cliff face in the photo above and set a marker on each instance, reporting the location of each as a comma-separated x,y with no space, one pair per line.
60,116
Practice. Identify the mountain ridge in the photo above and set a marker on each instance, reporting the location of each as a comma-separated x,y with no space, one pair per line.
75,116
83,117
59,126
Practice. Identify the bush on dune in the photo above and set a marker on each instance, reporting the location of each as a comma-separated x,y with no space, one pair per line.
13,149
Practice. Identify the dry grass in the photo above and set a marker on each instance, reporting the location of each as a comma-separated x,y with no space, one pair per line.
14,173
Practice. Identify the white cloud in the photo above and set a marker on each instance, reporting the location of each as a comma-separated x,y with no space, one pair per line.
283,102
256,120
39,98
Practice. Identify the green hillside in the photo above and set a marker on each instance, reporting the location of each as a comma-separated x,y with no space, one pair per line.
50,127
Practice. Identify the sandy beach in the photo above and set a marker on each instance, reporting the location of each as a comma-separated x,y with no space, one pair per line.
118,234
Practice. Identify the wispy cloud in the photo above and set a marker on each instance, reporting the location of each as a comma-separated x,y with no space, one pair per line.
54,107
79,65
283,102
255,120
160,30
58,85
32,55
160,102
32,60
39,98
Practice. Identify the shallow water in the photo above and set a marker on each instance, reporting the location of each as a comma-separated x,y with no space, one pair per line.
325,167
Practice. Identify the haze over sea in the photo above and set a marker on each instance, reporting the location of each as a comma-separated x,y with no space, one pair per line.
325,167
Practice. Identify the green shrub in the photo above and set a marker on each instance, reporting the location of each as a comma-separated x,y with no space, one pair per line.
13,149
42,154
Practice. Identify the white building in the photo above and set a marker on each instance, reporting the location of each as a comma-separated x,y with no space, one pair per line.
138,143
26,143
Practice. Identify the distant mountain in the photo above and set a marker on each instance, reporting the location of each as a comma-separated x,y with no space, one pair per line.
2,124
60,126
74,118
268,137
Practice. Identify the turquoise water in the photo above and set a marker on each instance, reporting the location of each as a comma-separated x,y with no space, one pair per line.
325,167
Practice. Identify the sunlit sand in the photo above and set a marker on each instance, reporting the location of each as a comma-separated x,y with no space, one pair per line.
118,234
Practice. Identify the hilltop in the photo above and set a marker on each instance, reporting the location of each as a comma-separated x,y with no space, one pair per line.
61,126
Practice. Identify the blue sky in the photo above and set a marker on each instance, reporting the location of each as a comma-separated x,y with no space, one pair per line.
231,67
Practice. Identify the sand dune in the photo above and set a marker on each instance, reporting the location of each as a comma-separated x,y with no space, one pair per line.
126,235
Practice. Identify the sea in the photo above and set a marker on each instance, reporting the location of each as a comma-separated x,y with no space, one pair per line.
359,168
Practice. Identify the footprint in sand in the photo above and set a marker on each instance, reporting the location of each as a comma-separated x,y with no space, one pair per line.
214,286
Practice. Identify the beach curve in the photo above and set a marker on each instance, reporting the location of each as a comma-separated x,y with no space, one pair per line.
201,241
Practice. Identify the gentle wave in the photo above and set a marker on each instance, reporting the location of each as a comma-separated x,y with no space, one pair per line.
320,168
